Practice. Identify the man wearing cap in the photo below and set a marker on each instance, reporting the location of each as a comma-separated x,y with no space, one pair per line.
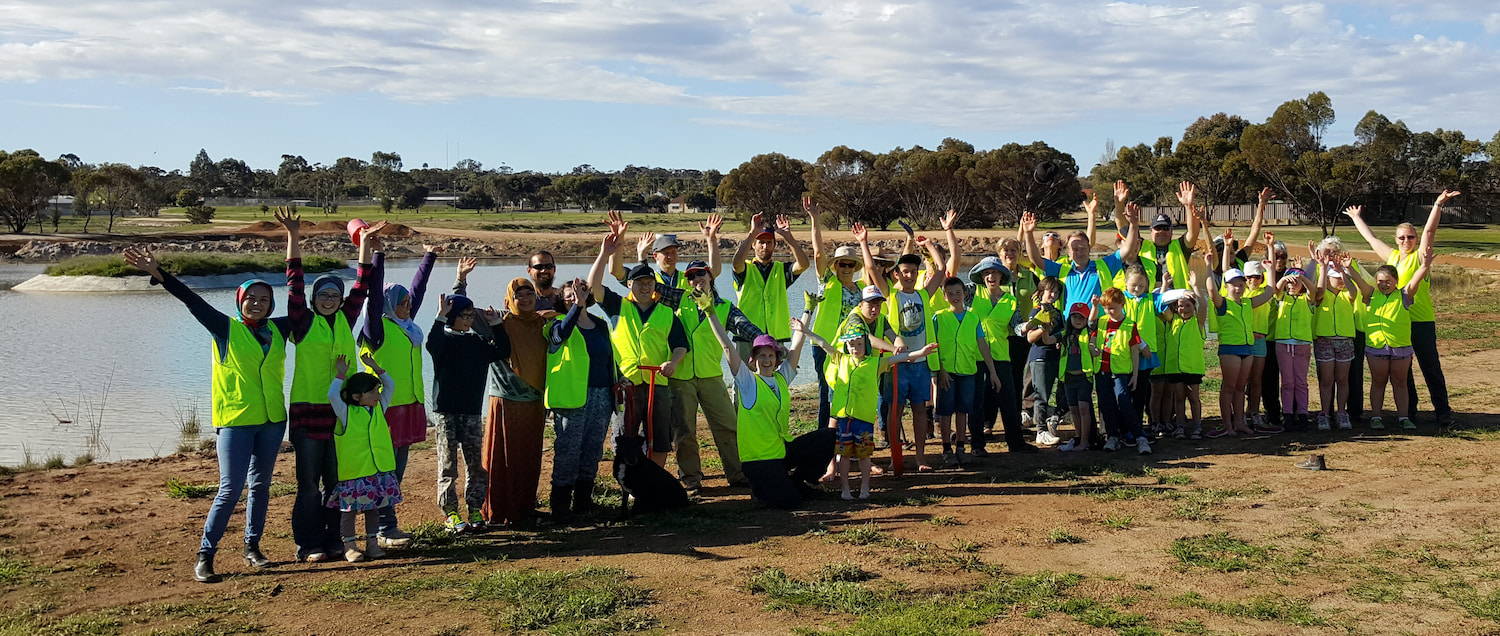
699,381
996,391
762,282
643,336
1164,253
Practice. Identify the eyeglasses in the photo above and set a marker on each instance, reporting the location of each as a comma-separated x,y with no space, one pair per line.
468,315
1405,238
544,267
328,296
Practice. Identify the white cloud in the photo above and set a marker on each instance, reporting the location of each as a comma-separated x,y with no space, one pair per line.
65,105
974,65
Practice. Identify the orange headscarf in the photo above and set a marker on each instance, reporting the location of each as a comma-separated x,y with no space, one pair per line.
528,342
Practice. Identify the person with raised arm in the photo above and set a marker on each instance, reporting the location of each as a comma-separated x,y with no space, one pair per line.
1022,286
1388,341
1082,282
1164,253
1333,337
782,470
1236,310
837,296
1186,319
249,403
581,376
1405,258
320,336
762,282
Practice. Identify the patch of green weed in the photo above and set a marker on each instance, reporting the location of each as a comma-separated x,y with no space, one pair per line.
178,489
1218,551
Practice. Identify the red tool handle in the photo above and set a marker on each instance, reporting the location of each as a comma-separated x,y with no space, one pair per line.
893,426
650,404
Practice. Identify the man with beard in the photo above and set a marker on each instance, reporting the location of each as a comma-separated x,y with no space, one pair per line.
541,269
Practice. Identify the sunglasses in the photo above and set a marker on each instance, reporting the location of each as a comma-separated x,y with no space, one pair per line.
1406,238
847,265
544,267
1052,235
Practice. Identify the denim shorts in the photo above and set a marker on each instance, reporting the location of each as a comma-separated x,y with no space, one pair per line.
1389,353
913,383
1243,351
958,397
1259,348
1078,390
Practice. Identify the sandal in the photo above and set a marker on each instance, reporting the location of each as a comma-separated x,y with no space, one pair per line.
924,468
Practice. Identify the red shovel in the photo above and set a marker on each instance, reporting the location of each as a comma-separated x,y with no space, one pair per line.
650,402
893,426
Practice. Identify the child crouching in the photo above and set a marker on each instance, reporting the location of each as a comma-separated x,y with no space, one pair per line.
366,458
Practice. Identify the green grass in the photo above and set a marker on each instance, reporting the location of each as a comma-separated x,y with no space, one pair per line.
1219,552
1118,522
399,587
784,592
192,264
14,571
178,489
944,520
867,534
37,620
1262,608
590,600
1059,535
1174,480
1478,605
1373,593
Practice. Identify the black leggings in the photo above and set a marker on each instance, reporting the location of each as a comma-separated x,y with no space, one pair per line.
785,483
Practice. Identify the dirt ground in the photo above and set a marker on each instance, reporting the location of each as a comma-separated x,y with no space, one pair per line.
1396,538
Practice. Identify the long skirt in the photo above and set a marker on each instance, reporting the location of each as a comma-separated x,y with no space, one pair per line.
513,457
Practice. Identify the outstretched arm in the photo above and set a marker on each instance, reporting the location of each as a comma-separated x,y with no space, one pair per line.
607,248
799,256
1091,208
757,223
1429,231
1122,194
799,338
1356,215
710,230
1428,256
1185,194
1259,220
949,220
862,236
819,252
731,352
1131,250
1028,239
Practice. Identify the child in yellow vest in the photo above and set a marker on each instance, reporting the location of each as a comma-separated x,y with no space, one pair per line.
1117,351
1295,298
1388,348
1333,337
854,376
1185,330
1075,375
367,460
955,327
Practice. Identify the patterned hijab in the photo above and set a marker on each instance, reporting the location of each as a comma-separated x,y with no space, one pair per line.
394,294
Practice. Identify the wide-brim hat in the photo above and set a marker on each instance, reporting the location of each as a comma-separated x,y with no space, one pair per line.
849,253
976,275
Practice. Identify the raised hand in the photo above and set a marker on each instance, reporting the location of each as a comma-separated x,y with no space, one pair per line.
433,249
466,264
1428,255
1091,205
141,259
341,364
1208,259
1185,193
492,316
1265,196
611,243
860,233
783,224
757,223
1122,191
1445,196
810,299
1133,213
948,218
1028,222
444,304
809,206
1355,211
616,221
1228,236
710,228
798,326
643,245
703,299
292,222
370,363
371,233
1270,244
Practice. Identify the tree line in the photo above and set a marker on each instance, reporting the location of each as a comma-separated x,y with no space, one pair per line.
1390,169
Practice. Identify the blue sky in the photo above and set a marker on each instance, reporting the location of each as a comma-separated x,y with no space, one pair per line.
707,84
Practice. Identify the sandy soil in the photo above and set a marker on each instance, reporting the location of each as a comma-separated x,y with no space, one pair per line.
1396,538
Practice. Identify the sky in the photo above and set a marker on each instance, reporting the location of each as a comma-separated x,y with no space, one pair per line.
706,84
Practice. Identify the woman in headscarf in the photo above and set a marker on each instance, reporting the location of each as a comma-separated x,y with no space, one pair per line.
395,341
249,404
516,413
321,336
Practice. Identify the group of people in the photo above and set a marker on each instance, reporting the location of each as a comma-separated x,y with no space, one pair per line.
1038,332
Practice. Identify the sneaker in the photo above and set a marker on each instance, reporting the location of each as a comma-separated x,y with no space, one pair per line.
1267,427
352,553
1216,433
1112,445
964,458
1344,423
1180,433
1257,421
1376,424
1047,438
476,520
1052,423
1197,432
949,459
1071,445
1313,462
1142,446
1323,422
1407,424
455,523
395,539
980,452
1026,419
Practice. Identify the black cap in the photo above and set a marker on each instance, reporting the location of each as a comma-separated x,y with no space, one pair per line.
641,271
696,265
1045,172
909,259
1162,220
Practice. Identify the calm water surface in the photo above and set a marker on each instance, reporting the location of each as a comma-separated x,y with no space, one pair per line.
139,363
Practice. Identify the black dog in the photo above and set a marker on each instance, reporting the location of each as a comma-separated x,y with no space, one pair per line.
653,488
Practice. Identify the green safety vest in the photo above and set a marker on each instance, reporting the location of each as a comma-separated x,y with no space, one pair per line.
1118,345
1335,315
704,358
764,301
1184,346
1023,284
637,343
764,430
856,386
931,304
1142,313
830,312
1085,356
1237,323
996,317
568,373
402,360
315,356
1421,302
1262,323
682,282
958,341
1177,264
364,446
1294,318
1388,321
248,380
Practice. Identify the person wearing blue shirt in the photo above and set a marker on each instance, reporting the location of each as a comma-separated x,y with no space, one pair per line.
1081,275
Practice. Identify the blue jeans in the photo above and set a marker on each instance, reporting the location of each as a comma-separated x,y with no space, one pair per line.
1116,406
244,452
388,513
315,527
825,394
579,443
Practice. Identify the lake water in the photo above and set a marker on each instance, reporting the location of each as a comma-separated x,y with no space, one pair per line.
137,363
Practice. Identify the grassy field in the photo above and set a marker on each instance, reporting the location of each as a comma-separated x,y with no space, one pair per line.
191,264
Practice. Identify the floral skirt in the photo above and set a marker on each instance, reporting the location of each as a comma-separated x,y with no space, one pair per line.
366,493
